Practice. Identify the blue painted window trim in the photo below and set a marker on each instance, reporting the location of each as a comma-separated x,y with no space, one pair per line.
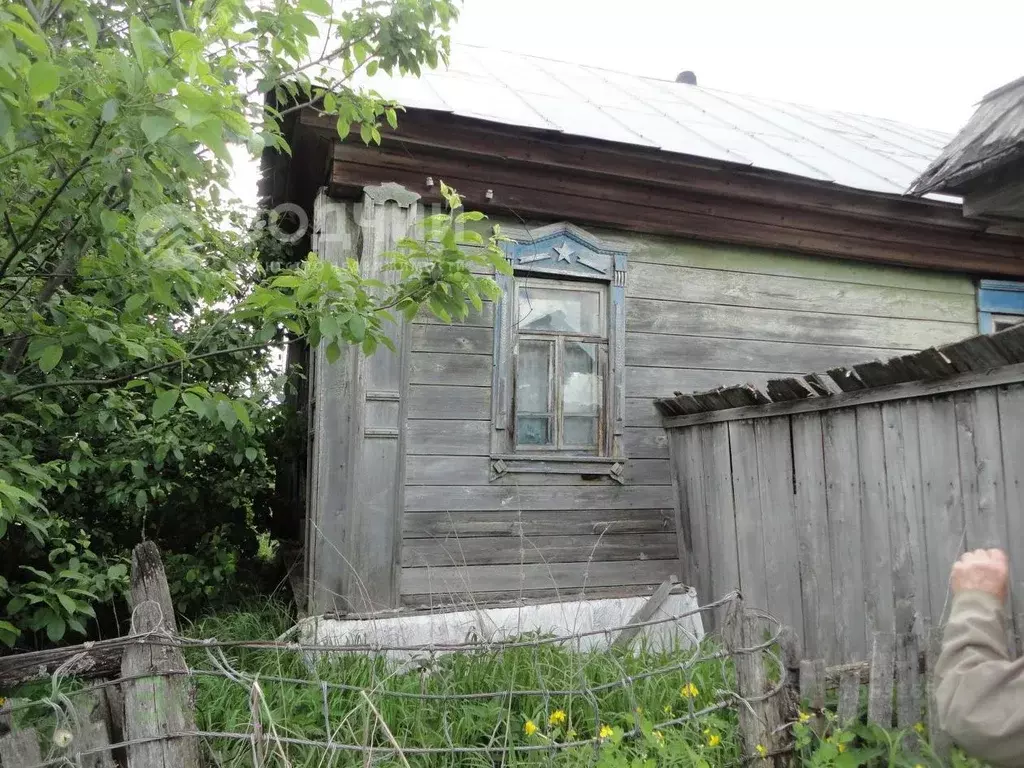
998,297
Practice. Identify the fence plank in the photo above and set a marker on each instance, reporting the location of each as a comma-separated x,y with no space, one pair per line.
938,740
849,697
20,749
1011,411
778,519
874,543
721,515
944,523
156,705
908,686
883,659
819,628
906,525
839,430
747,496
759,720
812,691
692,486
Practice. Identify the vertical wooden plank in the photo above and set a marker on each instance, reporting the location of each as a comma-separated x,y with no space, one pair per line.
908,681
693,463
812,691
883,660
819,628
849,697
158,704
20,749
747,499
760,721
684,514
875,545
906,521
944,518
981,468
1011,414
721,515
778,519
330,439
938,740
842,493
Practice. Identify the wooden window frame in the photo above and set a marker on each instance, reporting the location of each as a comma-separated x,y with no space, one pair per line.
999,300
561,256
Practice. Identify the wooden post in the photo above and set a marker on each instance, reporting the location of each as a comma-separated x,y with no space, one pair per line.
759,720
940,743
883,658
849,697
812,690
158,704
645,613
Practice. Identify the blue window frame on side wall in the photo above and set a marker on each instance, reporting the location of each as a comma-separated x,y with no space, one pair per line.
1000,305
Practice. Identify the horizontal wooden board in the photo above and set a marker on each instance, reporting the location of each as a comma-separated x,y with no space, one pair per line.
732,322
447,437
475,470
645,383
452,338
419,525
651,350
764,261
709,286
437,401
478,579
640,412
485,317
430,602
429,498
457,369
645,443
542,549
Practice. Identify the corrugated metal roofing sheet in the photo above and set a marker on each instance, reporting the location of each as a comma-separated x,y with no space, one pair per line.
514,89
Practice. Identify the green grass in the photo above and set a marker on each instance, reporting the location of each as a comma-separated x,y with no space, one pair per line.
422,708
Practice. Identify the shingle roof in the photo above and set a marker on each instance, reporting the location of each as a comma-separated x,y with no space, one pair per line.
867,153
993,136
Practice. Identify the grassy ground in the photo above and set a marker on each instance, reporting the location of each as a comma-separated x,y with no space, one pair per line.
577,697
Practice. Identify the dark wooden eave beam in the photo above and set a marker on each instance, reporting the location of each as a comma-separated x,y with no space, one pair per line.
554,176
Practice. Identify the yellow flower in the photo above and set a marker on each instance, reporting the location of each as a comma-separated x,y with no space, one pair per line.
804,717
689,691
714,740
557,717
530,728
761,750
606,731
659,736
919,727
840,748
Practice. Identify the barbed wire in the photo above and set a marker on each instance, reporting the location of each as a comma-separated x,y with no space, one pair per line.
267,734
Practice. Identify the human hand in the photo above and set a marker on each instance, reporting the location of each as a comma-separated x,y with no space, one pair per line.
984,570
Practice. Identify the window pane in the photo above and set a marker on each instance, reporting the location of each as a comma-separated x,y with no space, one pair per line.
533,430
533,377
579,431
551,309
581,391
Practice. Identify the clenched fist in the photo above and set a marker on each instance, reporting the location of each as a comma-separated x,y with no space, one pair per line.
984,570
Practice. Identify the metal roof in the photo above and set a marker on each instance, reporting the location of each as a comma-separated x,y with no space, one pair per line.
994,136
866,153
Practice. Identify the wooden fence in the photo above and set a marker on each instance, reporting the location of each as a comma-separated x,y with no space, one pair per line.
841,506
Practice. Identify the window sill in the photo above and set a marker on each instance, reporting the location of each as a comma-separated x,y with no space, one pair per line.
558,464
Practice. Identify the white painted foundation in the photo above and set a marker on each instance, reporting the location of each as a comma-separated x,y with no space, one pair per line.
561,619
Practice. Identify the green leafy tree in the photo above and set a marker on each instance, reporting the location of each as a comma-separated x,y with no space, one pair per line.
138,391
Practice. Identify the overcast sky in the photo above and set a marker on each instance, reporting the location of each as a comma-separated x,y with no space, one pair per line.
921,62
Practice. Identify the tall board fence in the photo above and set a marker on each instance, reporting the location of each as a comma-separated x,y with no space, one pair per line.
840,502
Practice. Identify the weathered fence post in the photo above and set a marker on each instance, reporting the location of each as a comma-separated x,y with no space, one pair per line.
940,742
883,661
759,718
156,700
812,690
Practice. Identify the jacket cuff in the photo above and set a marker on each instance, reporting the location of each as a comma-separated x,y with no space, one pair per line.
976,600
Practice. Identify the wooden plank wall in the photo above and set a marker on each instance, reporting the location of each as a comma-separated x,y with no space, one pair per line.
846,522
698,316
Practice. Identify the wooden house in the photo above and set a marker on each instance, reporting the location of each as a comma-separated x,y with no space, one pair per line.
669,237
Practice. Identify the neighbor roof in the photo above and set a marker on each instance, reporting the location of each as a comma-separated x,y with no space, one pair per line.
993,136
867,153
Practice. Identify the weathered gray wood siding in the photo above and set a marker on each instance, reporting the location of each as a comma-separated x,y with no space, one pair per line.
697,317
846,522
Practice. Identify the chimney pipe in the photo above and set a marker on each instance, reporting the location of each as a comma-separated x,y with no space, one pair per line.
687,78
